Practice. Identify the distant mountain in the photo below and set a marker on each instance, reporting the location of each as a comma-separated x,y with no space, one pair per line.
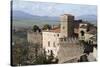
25,19
89,18
20,15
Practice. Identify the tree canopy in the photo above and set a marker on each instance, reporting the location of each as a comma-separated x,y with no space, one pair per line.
36,28
46,26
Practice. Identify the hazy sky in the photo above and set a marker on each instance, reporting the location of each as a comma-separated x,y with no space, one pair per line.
53,9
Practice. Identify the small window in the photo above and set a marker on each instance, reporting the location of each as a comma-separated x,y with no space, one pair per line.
58,35
63,27
64,39
54,35
54,44
48,43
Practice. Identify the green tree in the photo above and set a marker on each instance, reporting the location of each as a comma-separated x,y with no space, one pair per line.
36,55
36,28
19,52
46,26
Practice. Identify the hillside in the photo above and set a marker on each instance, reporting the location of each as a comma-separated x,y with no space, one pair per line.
21,18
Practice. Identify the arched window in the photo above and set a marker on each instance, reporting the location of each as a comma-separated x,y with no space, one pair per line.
82,33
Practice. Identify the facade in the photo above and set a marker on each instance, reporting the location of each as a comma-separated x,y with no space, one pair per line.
51,41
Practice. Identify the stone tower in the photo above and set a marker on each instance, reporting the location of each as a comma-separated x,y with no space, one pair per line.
67,25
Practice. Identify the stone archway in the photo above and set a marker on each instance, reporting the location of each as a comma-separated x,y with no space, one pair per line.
82,33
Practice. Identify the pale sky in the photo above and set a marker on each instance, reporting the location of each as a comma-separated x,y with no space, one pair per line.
53,9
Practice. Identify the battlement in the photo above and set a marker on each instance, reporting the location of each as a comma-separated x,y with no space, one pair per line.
69,40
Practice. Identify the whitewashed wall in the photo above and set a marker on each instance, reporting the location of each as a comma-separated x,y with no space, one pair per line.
52,37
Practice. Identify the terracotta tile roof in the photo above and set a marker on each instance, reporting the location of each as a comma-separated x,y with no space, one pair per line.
56,30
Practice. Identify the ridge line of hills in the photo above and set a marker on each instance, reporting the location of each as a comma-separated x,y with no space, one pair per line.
23,18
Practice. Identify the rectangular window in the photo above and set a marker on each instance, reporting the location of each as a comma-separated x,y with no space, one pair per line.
61,39
54,44
58,35
64,39
48,43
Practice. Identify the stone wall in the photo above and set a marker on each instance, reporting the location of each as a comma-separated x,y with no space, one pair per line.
69,40
34,37
69,49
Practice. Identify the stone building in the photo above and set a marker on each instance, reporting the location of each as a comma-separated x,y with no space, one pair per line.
62,40
67,28
70,49
51,38
83,27
86,31
34,37
51,41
